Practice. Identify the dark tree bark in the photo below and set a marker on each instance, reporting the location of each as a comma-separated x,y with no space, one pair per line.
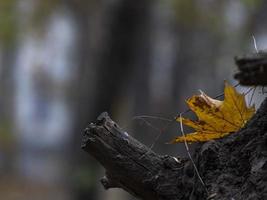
108,42
252,69
234,167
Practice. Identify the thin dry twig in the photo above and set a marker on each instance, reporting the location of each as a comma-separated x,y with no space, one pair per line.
252,95
255,44
151,117
248,91
141,117
189,155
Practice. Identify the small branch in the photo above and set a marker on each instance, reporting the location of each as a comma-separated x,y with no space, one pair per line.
131,165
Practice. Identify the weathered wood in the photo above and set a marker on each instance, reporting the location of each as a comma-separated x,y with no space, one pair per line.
252,69
131,165
234,167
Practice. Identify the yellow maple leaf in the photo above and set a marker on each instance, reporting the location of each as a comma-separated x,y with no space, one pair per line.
216,118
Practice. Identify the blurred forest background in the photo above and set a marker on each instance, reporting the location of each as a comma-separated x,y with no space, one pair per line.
63,62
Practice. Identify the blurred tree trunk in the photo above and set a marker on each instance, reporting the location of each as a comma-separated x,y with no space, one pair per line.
108,47
6,105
